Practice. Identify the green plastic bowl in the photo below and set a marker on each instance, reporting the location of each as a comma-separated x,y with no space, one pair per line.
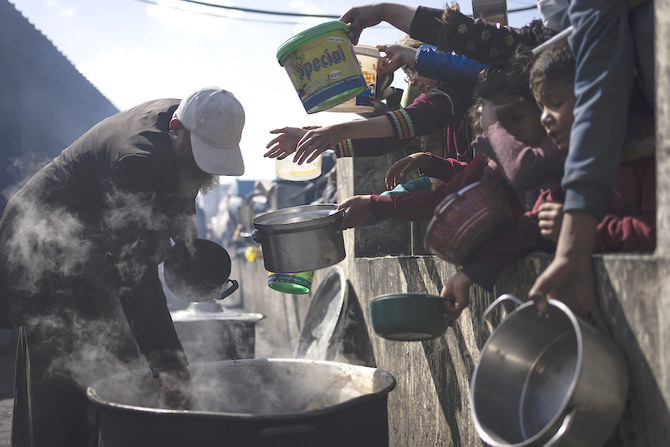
408,316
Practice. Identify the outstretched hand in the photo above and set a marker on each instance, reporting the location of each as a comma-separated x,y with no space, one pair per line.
457,288
361,17
285,144
396,57
356,210
316,141
570,277
400,168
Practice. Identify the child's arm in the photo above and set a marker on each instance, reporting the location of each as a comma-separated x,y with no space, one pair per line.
418,160
425,115
414,206
524,167
284,145
630,220
317,141
428,164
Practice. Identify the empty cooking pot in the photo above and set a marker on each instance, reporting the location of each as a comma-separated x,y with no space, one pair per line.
197,270
547,379
300,238
408,316
465,219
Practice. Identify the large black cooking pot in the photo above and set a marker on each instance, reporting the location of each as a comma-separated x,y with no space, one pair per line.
197,270
251,403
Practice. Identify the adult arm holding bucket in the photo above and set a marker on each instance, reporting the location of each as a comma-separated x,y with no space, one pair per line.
361,17
448,29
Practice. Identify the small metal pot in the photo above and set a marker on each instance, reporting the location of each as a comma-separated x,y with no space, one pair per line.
408,316
465,219
197,270
546,380
300,238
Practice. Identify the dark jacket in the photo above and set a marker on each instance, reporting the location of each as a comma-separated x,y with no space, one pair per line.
88,231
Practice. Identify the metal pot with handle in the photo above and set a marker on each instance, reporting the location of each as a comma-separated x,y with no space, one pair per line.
464,220
547,380
408,316
198,269
300,238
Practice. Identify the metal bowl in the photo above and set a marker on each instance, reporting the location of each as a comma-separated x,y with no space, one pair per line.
408,316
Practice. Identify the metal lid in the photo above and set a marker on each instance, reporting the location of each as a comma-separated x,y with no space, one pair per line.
300,39
297,217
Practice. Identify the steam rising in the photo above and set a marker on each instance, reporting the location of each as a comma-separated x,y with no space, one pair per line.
65,273
257,386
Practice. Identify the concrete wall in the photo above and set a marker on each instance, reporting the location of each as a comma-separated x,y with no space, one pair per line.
430,405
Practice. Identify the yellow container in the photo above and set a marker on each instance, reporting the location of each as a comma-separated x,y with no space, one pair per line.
288,170
322,66
368,58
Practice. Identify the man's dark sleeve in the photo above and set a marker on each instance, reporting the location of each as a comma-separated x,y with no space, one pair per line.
137,228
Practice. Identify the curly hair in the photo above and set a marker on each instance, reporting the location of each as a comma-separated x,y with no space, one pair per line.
555,63
510,76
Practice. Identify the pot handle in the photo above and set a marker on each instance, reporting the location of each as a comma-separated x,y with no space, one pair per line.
563,429
496,303
256,236
231,288
269,436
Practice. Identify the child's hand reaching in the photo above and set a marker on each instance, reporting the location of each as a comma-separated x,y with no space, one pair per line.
356,210
396,57
285,144
399,169
550,215
458,288
316,141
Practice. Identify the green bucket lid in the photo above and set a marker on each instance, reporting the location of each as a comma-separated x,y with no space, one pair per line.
288,287
296,41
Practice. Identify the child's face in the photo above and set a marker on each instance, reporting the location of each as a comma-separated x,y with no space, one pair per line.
556,99
415,80
522,120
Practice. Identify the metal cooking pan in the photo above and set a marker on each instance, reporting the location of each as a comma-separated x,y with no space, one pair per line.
197,270
408,316
300,238
547,379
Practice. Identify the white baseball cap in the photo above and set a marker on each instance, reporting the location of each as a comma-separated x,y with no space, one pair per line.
215,119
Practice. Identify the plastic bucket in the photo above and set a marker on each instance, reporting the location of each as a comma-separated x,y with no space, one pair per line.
288,170
322,66
368,58
295,283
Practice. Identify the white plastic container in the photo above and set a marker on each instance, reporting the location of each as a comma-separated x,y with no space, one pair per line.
368,58
288,170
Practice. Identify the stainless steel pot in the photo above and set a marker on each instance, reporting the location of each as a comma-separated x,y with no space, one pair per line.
300,238
546,380
251,402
